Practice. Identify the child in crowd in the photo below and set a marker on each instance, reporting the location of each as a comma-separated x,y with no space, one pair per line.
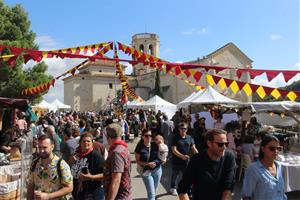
163,148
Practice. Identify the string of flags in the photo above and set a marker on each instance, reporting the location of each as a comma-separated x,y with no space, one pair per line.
127,90
234,85
177,69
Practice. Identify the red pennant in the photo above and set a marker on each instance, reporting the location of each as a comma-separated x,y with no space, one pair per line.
216,79
93,48
271,75
197,76
77,51
120,46
187,73
128,51
240,84
283,92
69,51
268,90
227,81
85,49
287,75
253,87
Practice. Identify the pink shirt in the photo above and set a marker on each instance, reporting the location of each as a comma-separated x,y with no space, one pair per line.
22,124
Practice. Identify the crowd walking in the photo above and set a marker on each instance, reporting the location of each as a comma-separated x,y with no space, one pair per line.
86,156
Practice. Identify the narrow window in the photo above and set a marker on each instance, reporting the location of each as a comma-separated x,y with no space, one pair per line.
110,86
142,48
150,50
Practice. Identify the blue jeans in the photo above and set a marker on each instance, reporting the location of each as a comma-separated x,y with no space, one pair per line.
151,182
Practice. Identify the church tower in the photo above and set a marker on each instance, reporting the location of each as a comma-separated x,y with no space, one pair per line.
149,44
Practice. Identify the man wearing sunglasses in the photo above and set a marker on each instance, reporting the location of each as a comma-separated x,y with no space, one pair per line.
210,173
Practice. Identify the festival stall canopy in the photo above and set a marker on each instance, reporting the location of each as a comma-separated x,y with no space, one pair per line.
21,104
59,105
187,101
211,96
44,104
157,103
133,104
277,106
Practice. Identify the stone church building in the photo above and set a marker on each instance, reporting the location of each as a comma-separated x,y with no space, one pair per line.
95,84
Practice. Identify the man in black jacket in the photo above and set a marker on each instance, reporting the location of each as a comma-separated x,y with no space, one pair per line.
210,173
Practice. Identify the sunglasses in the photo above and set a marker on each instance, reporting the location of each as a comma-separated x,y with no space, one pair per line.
147,136
183,128
221,144
275,148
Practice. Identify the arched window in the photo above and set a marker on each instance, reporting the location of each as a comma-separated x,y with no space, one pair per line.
150,51
141,48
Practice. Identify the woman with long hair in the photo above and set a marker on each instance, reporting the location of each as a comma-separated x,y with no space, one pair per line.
147,156
263,179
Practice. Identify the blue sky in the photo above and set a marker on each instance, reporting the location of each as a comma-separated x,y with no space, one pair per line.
267,31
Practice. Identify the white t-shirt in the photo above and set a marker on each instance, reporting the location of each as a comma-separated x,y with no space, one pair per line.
163,152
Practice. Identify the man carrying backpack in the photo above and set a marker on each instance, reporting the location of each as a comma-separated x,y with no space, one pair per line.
50,177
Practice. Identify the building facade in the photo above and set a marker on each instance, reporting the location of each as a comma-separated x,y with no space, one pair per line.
95,84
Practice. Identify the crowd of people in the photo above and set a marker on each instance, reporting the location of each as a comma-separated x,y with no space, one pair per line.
86,156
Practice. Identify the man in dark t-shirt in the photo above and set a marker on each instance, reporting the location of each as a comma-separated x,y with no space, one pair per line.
210,173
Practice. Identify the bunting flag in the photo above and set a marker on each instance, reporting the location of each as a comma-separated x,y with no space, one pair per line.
127,90
38,89
46,86
30,54
179,69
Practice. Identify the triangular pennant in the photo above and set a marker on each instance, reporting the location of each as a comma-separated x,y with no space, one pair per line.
261,92
210,80
187,73
288,75
240,84
292,96
271,75
222,84
177,70
275,93
247,89
197,76
234,87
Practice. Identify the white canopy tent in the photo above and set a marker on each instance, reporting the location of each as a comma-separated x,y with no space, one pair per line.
58,105
282,113
133,104
45,105
156,103
187,101
211,96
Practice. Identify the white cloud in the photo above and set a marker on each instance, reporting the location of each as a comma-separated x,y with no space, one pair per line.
45,42
277,82
194,31
202,31
168,50
297,66
189,32
275,37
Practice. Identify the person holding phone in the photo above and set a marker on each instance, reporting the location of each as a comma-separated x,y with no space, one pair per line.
263,178
87,170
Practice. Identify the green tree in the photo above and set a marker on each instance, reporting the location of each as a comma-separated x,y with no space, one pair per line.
157,89
15,31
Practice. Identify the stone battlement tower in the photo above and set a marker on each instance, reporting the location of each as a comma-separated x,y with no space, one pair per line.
149,44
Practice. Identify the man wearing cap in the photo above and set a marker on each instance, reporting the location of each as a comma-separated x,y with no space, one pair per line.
182,144
118,164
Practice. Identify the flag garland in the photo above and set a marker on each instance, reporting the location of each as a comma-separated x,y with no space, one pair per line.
127,90
36,55
46,86
234,85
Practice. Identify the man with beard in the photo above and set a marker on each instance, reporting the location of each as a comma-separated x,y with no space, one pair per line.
211,172
50,177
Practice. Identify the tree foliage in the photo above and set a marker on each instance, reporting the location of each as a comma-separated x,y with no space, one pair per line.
15,31
157,89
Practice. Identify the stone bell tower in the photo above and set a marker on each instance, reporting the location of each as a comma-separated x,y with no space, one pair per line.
149,44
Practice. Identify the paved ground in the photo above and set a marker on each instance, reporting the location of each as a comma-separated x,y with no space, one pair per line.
139,190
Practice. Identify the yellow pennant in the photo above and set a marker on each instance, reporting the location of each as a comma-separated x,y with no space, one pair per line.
261,92
292,96
210,80
247,89
222,83
275,93
234,87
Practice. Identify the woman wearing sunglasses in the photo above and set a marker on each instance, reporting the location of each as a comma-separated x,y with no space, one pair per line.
263,179
147,156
